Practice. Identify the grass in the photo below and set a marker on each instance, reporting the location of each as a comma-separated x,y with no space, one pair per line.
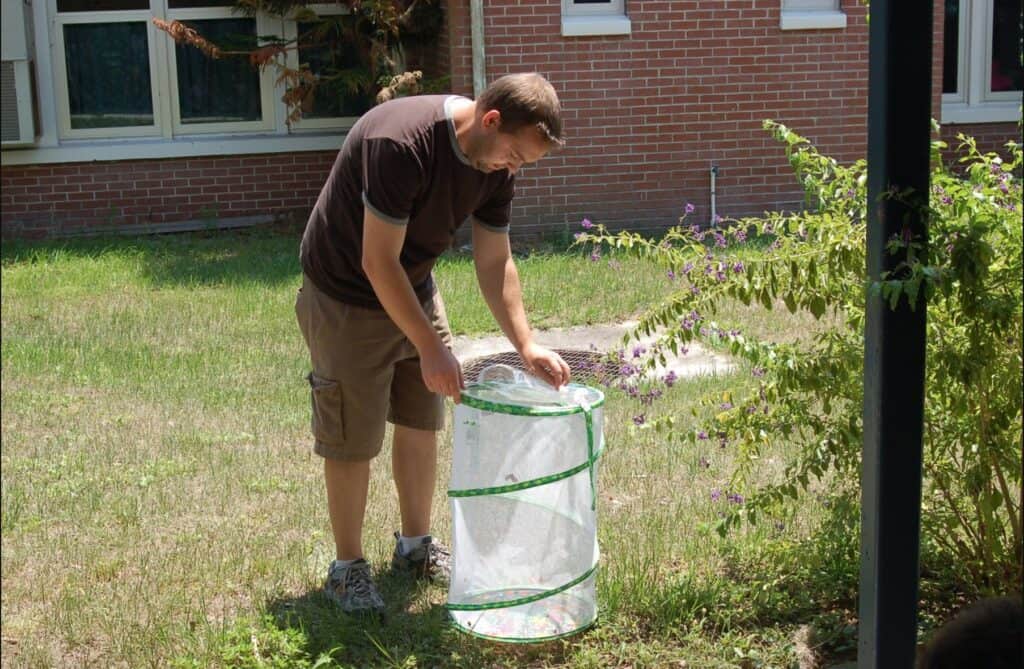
161,506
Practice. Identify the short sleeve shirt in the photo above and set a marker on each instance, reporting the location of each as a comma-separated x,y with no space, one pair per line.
401,161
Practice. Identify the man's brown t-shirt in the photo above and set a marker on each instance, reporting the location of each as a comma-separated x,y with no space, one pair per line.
402,161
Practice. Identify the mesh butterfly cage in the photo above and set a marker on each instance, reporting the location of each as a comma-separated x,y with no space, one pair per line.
523,493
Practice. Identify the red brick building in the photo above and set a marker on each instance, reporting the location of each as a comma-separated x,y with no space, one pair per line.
656,93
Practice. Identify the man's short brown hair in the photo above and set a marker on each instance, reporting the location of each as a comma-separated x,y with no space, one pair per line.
523,100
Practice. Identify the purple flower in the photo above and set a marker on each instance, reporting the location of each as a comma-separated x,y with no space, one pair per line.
595,256
720,275
587,224
777,244
687,268
639,419
725,406
716,494
720,240
639,351
779,525
851,193
627,370
695,290
702,435
947,200
757,371
735,498
690,208
671,275
741,236
688,323
704,462
670,378
718,219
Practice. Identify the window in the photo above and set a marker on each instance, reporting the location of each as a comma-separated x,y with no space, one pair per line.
594,17
118,76
981,70
811,15
104,57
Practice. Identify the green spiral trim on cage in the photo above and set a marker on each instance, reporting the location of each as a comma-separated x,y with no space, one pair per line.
515,410
532,483
540,639
523,600
518,410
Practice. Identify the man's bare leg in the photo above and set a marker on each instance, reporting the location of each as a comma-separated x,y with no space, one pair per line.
414,463
347,485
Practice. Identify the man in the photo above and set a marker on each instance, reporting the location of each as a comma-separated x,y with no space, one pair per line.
411,171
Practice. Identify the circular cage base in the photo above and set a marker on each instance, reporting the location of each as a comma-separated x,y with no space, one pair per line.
550,618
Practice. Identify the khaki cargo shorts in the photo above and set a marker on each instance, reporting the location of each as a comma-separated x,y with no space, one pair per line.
365,372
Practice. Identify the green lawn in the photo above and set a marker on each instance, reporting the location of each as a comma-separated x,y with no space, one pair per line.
161,505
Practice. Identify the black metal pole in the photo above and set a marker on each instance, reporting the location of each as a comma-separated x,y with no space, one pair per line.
899,110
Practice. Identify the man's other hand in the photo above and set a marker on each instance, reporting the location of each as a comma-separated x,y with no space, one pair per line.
442,372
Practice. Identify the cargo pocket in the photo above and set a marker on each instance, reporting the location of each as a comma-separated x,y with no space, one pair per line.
327,423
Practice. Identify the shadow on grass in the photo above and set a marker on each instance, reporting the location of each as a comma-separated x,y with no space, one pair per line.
265,255
414,632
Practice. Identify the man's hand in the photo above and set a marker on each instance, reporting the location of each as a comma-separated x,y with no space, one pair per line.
442,372
546,364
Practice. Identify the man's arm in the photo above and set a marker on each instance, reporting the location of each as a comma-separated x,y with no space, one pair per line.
382,245
499,282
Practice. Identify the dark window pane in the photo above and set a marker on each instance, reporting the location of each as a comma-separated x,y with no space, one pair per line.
185,4
1006,46
592,2
335,59
100,5
219,90
108,75
951,47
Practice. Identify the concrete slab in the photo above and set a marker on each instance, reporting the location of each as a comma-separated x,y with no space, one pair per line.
697,361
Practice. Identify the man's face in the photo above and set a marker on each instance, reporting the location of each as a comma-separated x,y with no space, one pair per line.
498,150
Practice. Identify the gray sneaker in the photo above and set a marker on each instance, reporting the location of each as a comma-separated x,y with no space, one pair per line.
352,588
430,560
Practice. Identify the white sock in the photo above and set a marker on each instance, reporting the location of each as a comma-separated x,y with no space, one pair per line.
345,563
406,544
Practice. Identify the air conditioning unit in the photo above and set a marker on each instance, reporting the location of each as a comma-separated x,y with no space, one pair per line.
17,121
17,91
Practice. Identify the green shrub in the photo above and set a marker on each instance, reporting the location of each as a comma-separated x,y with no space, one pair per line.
810,392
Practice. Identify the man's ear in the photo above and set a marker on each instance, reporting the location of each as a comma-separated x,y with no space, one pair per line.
491,119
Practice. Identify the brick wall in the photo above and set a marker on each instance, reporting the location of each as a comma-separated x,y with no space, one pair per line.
68,198
649,113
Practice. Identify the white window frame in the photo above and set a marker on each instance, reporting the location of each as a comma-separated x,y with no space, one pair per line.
589,19
811,15
163,75
291,28
974,100
60,72
264,26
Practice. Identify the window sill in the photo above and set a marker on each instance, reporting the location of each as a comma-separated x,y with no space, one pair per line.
582,26
80,151
813,20
992,112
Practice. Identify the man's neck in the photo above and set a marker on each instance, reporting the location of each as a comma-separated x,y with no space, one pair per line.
464,120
